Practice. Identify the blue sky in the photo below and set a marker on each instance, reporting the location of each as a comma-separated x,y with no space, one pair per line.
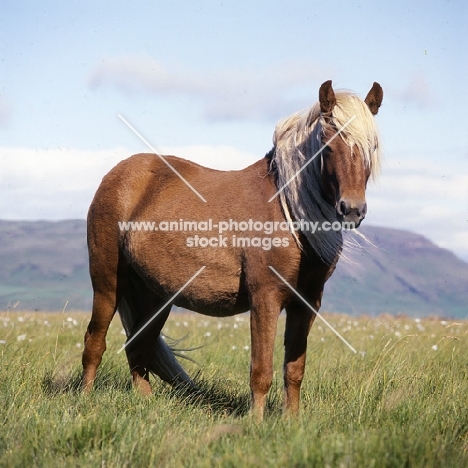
209,80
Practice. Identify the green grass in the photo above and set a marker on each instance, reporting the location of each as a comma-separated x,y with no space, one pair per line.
401,401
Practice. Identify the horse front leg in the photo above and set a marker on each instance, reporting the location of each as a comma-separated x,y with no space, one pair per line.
263,322
299,320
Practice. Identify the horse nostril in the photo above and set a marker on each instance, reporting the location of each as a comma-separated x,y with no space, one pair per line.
363,210
343,208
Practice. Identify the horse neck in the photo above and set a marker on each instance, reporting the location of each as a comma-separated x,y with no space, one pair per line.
302,198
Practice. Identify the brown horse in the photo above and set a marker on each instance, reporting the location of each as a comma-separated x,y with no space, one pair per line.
316,172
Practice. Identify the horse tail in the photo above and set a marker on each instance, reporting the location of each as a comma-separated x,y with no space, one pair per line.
161,358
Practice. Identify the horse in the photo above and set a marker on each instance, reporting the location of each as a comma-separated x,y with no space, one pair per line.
316,172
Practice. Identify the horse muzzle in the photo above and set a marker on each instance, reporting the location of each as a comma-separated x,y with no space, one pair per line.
351,211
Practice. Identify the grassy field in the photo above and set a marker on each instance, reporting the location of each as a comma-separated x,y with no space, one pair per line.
402,400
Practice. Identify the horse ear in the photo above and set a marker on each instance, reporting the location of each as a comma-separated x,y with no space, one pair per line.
327,97
374,98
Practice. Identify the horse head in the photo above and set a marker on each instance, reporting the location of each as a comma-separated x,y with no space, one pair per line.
347,155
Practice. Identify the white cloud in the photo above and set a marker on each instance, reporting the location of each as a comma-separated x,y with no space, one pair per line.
51,184
418,92
227,94
223,158
130,73
60,183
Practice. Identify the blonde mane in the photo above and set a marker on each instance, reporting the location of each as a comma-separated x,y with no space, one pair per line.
296,140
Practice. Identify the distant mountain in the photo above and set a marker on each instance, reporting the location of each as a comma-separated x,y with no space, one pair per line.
398,271
44,265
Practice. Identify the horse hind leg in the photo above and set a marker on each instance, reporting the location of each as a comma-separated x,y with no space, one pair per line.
144,315
95,338
108,277
140,335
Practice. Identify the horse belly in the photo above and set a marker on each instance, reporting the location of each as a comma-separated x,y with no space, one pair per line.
216,291
166,264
